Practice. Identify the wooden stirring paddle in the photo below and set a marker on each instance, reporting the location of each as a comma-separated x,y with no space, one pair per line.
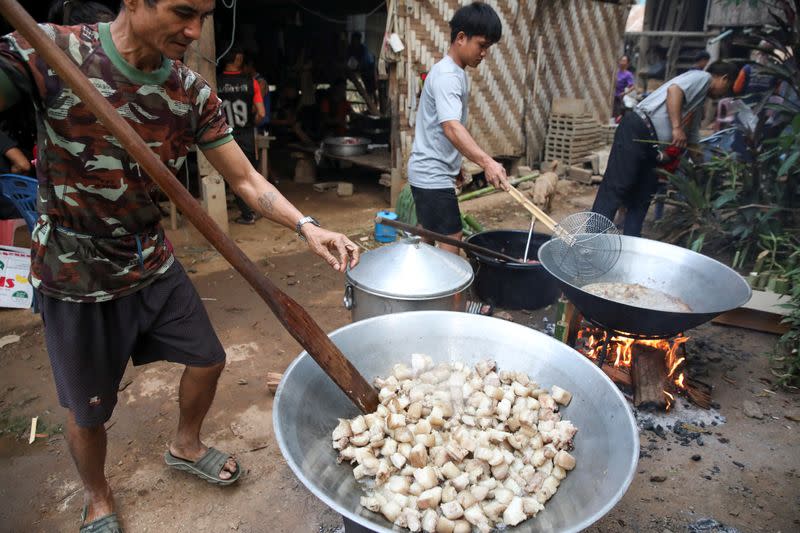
293,317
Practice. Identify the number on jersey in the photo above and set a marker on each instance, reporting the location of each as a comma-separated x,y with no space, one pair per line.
235,112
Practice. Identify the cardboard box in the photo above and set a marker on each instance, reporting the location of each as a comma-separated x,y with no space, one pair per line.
15,266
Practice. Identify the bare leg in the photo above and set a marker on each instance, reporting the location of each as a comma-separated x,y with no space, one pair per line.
197,389
424,239
449,247
88,449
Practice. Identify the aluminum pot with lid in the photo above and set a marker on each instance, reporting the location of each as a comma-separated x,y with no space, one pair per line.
408,275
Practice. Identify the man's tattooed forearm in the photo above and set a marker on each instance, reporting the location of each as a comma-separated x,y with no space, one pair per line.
267,202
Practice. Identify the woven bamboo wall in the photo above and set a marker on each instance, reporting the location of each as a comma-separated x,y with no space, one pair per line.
580,40
497,88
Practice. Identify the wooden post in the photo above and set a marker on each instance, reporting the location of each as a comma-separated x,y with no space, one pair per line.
532,152
396,152
644,40
649,374
200,57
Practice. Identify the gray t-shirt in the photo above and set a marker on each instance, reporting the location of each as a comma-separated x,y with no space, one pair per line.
694,84
434,161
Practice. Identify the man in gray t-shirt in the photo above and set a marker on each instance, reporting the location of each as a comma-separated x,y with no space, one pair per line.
440,136
664,122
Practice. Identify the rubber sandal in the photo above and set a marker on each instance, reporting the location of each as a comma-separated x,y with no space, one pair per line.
105,524
479,308
207,467
245,221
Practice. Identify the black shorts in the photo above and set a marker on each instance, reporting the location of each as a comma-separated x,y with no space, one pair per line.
89,344
437,210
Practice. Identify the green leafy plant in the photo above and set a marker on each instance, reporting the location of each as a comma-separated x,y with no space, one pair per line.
746,207
787,351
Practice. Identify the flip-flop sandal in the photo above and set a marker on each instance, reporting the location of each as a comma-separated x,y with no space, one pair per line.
479,308
105,524
207,467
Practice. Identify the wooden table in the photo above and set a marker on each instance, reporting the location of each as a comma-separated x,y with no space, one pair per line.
379,159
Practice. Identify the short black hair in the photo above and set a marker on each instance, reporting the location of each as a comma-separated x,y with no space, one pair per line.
150,3
230,55
702,55
723,68
476,19
74,12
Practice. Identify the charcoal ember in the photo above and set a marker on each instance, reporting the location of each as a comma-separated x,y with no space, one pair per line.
709,525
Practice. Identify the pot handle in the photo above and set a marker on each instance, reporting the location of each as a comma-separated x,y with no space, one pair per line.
347,301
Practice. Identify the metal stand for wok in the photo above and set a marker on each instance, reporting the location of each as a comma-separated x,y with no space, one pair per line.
608,333
574,321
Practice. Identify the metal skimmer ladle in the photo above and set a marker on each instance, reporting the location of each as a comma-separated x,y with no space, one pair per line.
586,244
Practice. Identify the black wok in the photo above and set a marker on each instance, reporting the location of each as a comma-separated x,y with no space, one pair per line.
707,286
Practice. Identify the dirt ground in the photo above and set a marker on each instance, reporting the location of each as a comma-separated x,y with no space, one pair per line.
740,475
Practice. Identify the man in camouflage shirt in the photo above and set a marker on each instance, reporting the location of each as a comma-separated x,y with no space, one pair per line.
109,286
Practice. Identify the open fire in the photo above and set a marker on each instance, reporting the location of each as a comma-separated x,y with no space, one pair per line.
617,357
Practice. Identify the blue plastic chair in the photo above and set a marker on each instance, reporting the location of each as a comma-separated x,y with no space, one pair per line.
22,190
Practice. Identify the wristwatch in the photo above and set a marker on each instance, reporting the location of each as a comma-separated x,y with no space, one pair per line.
304,220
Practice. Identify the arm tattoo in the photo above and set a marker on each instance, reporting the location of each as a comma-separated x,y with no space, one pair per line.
266,201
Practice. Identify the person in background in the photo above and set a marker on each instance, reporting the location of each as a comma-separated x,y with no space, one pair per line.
12,161
249,69
285,122
335,109
624,85
72,12
360,59
243,107
441,139
701,60
753,82
663,123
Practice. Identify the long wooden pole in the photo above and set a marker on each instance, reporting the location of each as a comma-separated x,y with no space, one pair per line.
293,317
432,235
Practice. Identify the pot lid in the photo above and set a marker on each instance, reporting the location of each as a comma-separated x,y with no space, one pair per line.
411,269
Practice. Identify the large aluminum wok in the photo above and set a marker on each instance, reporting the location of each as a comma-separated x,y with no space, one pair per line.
307,405
707,286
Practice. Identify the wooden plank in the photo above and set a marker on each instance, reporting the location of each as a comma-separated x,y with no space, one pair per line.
379,160
572,143
572,121
769,302
617,375
396,152
569,106
214,201
649,374
580,175
573,319
262,146
753,319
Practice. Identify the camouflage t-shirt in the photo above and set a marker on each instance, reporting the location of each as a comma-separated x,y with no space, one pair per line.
98,236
